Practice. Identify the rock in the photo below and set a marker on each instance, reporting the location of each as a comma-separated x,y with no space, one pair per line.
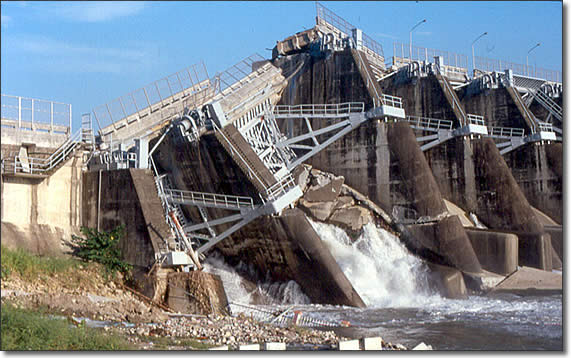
301,176
344,201
324,189
353,218
318,210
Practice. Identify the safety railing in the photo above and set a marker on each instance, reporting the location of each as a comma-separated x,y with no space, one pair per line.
318,110
370,82
35,114
494,65
545,127
280,188
33,165
533,121
402,54
452,95
235,76
548,103
210,199
327,17
191,84
475,119
392,101
429,123
234,153
505,132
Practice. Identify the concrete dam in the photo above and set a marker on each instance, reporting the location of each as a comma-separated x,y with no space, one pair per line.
461,172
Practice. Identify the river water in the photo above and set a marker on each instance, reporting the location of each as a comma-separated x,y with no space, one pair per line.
401,307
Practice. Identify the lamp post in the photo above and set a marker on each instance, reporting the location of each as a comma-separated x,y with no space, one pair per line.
473,57
410,33
526,57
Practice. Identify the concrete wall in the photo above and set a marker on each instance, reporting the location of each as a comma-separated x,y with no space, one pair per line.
536,168
127,197
39,213
496,251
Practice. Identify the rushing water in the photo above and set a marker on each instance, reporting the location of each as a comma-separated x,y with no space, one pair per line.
402,308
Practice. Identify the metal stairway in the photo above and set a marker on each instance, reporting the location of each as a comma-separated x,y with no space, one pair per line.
547,103
22,165
452,99
528,117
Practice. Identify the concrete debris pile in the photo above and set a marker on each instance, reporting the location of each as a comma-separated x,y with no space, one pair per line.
327,199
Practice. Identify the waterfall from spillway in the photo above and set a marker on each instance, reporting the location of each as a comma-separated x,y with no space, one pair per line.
267,293
379,266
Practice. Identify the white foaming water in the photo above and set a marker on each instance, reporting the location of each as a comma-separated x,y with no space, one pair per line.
379,266
268,293
235,290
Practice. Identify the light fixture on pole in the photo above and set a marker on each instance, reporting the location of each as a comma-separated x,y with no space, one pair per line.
410,33
473,57
526,57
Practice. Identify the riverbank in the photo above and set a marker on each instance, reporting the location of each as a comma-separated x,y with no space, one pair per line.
66,289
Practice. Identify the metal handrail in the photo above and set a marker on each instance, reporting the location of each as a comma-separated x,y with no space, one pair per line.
189,82
505,132
490,65
452,94
217,200
377,101
548,103
392,100
36,109
430,123
534,121
281,187
475,119
43,165
545,127
453,61
319,109
338,23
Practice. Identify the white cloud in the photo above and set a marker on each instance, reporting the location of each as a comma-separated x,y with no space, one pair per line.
79,58
5,19
380,34
97,11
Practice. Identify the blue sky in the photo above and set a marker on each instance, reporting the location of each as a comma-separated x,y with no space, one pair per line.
88,53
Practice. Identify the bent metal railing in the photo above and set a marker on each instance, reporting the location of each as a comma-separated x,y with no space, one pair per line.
328,18
191,84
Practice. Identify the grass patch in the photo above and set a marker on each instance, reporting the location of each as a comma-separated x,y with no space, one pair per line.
29,330
30,266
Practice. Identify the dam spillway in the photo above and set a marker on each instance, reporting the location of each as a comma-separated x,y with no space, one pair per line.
235,164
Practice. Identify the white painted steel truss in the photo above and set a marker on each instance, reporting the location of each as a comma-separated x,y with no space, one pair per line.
260,130
345,117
